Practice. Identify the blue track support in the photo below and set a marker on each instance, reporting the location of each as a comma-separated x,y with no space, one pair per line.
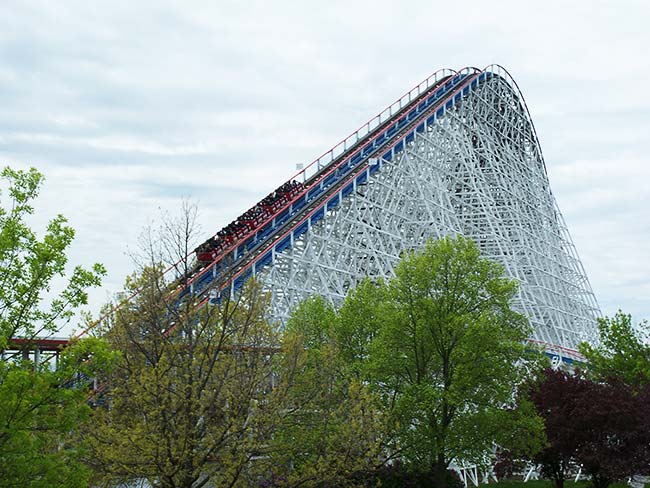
333,201
283,244
317,215
347,189
300,229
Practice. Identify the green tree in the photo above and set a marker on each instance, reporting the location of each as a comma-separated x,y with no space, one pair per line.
40,407
30,265
448,355
40,410
621,354
189,403
329,430
439,356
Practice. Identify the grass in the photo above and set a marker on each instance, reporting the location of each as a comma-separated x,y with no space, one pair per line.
546,484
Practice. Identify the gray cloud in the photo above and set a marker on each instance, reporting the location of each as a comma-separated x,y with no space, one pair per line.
130,106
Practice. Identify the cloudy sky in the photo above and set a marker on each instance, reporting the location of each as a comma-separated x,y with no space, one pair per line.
128,107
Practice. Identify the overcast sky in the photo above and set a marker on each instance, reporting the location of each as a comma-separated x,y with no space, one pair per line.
128,107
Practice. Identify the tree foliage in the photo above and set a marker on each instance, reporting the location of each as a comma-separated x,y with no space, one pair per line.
444,355
329,431
189,403
30,265
437,345
40,407
602,427
621,353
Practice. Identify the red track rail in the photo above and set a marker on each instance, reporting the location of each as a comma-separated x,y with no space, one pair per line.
44,344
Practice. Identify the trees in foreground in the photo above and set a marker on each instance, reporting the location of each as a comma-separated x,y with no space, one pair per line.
40,407
414,372
600,427
437,345
448,357
330,430
213,395
622,354
189,403
408,376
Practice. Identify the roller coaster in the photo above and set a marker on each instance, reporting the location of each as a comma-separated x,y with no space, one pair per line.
457,154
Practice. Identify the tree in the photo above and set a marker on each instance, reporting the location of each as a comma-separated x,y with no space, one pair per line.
40,407
329,431
449,355
555,398
621,353
189,403
30,265
40,410
441,346
599,426
621,360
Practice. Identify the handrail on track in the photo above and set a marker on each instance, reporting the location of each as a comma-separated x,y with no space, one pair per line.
374,122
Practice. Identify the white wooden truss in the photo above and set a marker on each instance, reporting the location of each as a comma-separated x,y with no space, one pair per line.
475,169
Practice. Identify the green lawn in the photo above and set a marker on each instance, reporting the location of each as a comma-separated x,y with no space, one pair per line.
546,484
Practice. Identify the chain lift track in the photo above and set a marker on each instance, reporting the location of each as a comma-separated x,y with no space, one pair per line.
457,154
